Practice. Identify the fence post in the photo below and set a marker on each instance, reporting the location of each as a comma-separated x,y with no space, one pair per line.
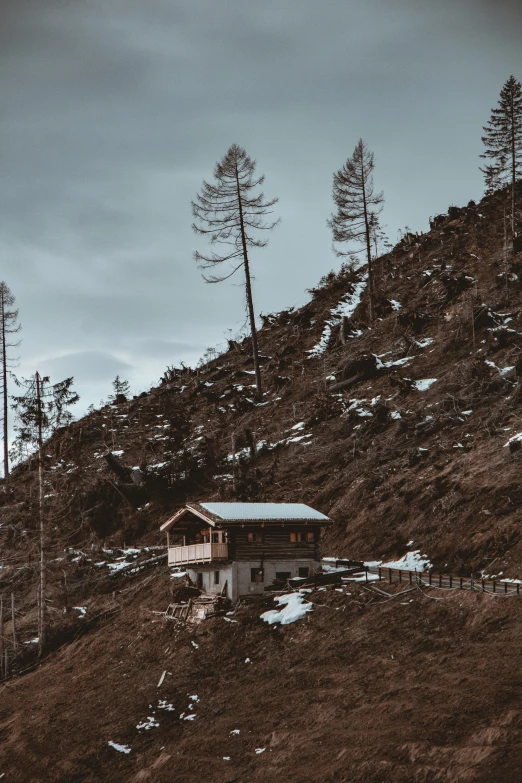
483,588
494,586
400,576
366,573
409,573
440,580
389,575
380,577
505,587
461,583
429,578
451,581
518,589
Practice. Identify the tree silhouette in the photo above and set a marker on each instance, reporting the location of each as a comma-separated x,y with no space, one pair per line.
121,388
230,213
503,141
358,207
40,410
8,326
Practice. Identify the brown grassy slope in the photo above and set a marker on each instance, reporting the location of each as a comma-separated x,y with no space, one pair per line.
363,689
445,707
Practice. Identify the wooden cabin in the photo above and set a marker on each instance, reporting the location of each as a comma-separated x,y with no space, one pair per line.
238,548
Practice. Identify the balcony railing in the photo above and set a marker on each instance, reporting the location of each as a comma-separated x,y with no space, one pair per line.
197,553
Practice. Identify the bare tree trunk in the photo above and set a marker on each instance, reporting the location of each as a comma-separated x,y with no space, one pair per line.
1,637
13,620
513,174
233,439
41,602
368,250
4,390
248,287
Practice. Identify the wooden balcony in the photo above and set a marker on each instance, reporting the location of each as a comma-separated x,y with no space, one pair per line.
197,553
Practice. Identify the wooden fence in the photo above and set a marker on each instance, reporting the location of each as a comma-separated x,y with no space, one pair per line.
444,581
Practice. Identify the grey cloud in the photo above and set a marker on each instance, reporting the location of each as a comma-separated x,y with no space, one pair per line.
170,351
86,367
113,112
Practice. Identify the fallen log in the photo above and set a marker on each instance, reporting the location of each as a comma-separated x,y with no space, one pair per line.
120,470
348,382
130,569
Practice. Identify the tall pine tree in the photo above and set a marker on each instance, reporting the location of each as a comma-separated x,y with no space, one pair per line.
40,410
231,213
358,208
503,141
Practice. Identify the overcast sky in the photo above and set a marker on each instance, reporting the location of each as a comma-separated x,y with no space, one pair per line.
113,111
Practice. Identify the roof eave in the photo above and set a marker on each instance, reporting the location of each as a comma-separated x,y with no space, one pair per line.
166,526
283,521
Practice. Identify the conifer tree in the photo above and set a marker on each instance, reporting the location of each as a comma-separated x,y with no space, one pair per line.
230,213
121,387
8,326
40,410
380,240
503,141
358,207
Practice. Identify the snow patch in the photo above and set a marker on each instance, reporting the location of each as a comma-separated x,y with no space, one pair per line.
119,748
164,705
425,384
424,342
149,723
514,439
294,607
345,308
411,561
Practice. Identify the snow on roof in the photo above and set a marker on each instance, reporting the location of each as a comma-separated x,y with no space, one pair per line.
265,511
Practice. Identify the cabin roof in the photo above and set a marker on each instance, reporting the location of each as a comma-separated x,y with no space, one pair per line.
231,512
216,513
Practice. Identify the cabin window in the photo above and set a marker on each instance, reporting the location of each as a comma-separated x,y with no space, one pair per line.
257,575
303,572
215,538
300,538
283,574
216,577
255,538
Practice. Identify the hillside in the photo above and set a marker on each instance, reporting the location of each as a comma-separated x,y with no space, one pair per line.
405,432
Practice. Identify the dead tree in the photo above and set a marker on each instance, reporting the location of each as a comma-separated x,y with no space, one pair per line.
13,623
8,326
358,208
230,215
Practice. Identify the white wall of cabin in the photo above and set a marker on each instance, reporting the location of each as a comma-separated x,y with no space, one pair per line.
237,575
